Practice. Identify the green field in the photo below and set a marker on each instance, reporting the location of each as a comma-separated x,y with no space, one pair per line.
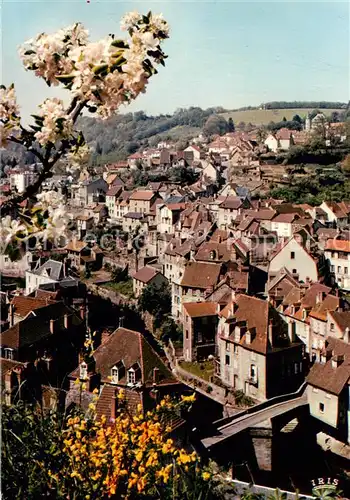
180,132
265,116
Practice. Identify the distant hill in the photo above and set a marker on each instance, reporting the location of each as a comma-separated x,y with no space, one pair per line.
265,116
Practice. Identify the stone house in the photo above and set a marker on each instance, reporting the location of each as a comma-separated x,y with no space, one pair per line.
296,259
167,216
141,201
111,197
198,280
337,213
90,192
229,209
126,361
328,388
51,272
146,276
199,320
337,254
253,345
52,335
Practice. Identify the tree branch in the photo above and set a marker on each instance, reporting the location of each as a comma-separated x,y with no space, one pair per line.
75,108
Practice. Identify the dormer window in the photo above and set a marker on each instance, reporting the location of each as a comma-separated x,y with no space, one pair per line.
8,353
117,372
83,371
133,374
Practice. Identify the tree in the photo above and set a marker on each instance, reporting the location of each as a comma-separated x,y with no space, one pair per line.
156,300
215,124
297,118
230,125
284,119
99,80
184,175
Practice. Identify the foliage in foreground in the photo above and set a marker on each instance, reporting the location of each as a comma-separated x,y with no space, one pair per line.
45,455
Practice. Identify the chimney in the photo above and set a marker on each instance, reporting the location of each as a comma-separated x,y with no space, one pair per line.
291,331
52,326
156,376
67,321
114,407
337,360
104,336
346,337
11,318
271,333
82,312
320,297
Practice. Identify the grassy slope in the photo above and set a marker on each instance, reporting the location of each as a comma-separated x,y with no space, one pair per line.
264,116
181,132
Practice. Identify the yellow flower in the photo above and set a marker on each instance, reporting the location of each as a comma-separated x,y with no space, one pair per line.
95,391
206,476
189,399
121,394
92,407
77,381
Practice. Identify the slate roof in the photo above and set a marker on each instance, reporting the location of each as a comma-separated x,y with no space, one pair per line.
53,268
327,377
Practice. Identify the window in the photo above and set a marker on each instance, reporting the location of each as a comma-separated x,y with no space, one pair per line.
321,407
332,269
315,390
339,269
294,271
296,368
292,255
253,372
115,375
199,337
332,327
131,377
227,360
235,349
227,346
345,270
8,354
328,396
186,334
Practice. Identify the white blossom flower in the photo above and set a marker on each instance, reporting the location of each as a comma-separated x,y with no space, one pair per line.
49,198
9,230
53,113
130,20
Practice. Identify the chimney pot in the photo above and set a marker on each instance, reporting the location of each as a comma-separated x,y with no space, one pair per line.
271,333
52,326
156,376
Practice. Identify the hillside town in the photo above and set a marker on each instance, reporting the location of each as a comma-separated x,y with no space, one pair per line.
196,279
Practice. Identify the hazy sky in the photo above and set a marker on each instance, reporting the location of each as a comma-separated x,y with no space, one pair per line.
221,53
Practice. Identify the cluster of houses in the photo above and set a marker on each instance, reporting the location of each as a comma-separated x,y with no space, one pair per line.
259,287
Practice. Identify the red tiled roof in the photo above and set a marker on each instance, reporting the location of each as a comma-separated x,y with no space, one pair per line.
255,312
200,309
24,305
327,377
142,195
342,319
131,347
145,274
201,275
338,245
114,191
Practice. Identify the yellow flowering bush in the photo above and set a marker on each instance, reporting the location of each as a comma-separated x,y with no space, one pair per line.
130,457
